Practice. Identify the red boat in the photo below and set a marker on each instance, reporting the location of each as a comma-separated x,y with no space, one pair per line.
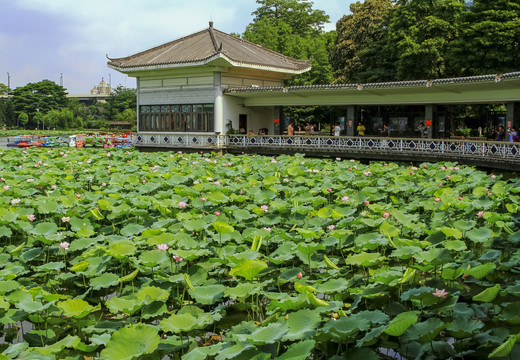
30,141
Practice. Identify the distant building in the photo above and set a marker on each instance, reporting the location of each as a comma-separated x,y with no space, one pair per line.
102,89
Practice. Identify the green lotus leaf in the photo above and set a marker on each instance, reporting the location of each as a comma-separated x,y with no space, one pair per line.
425,331
76,308
80,266
242,214
248,269
48,207
122,249
194,224
184,323
434,256
154,309
153,258
405,252
451,232
481,271
455,245
464,225
307,234
160,238
7,286
45,229
364,259
452,273
333,286
148,294
14,350
309,248
104,204
104,281
207,295
479,235
462,328
510,313
222,227
512,208
263,335
5,231
132,229
298,351
131,342
125,306
488,295
504,349
389,230
371,241
30,306
345,326
399,324
52,266
302,325
217,197
68,342
242,290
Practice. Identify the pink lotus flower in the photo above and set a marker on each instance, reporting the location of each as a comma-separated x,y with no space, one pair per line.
331,227
300,275
460,198
202,199
268,229
386,214
177,258
54,187
480,214
217,213
329,190
78,196
423,165
440,293
31,217
385,164
163,247
264,208
65,219
448,177
2,179
345,198
15,201
367,173
493,176
182,205
440,184
6,187
30,180
349,169
411,172
367,202
437,199
108,154
443,167
64,245
285,180
217,182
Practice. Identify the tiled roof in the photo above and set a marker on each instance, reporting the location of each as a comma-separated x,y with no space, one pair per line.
427,83
206,46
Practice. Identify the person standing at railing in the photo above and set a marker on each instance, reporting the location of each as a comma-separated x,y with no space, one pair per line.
423,130
513,135
361,129
500,134
337,130
290,129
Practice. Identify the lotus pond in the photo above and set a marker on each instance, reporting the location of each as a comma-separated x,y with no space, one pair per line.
126,255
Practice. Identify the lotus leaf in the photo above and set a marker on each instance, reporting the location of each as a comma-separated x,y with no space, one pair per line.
462,328
184,323
488,295
269,334
131,229
400,323
121,249
481,271
68,342
479,235
426,331
504,349
45,229
125,306
131,342
76,308
298,351
248,269
302,325
364,259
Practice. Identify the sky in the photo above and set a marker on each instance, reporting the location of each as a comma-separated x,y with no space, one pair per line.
68,40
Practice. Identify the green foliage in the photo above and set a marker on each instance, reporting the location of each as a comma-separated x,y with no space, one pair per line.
146,269
38,98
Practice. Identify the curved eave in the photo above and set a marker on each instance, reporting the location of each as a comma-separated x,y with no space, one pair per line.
132,69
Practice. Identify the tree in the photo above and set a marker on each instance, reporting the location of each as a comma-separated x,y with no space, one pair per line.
7,115
490,38
121,99
40,97
3,89
23,119
129,115
420,33
360,52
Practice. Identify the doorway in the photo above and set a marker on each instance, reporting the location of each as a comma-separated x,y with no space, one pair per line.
242,123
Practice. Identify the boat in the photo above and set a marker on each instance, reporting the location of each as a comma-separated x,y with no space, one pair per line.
30,141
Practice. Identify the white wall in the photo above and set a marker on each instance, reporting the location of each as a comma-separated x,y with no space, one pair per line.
257,117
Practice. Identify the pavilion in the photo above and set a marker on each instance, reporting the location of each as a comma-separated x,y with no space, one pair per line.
210,82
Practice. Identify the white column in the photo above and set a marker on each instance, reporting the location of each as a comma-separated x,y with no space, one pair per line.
219,105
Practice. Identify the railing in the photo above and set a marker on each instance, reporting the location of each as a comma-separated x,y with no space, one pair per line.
488,150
